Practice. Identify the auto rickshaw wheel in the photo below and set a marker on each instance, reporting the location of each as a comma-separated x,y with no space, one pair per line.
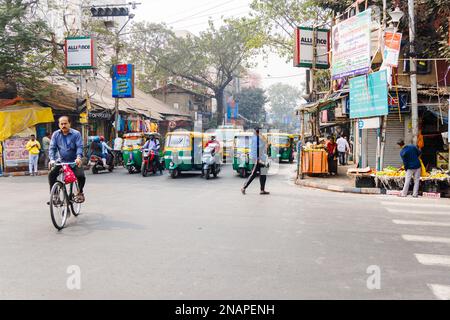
242,172
174,173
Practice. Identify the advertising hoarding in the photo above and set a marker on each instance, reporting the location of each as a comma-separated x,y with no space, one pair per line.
303,50
123,81
80,53
369,95
351,46
391,52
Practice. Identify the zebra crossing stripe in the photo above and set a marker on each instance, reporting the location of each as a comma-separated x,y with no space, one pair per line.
416,238
415,205
433,260
429,212
422,223
440,291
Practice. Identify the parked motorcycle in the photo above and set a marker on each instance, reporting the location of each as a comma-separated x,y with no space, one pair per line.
149,162
97,163
210,162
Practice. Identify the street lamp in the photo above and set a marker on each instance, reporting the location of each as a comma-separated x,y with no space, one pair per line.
396,15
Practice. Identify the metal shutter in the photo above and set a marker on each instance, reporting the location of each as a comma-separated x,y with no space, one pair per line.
372,148
395,131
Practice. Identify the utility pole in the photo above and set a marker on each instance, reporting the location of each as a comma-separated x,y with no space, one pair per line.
413,73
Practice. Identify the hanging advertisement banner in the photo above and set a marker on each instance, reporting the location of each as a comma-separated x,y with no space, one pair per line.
123,81
303,49
369,95
80,53
351,46
391,48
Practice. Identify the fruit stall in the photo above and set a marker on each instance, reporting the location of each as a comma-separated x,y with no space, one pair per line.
391,178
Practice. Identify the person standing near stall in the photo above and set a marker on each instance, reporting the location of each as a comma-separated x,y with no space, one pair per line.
34,147
410,156
332,159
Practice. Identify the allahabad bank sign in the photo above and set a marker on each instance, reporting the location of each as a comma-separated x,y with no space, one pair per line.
80,53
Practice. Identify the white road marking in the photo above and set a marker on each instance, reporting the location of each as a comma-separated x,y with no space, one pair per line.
416,238
422,223
416,205
446,213
440,291
433,260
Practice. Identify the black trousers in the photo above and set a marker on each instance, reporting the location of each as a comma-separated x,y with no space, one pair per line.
79,173
262,177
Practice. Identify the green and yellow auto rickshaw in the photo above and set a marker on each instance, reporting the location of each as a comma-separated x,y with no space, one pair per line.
183,152
131,151
282,146
242,163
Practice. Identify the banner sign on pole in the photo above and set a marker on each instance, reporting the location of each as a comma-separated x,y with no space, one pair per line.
369,95
351,46
303,50
80,53
123,81
391,48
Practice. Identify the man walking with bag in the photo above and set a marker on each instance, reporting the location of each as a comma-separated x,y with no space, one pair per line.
258,155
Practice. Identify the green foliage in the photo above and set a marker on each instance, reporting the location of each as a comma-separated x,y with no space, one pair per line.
27,52
251,104
210,59
283,99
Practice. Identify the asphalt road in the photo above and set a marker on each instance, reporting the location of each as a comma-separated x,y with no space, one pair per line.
188,238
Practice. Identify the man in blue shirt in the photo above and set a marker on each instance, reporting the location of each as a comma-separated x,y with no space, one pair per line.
410,156
258,156
68,144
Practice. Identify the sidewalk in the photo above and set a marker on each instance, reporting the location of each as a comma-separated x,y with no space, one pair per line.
22,173
339,183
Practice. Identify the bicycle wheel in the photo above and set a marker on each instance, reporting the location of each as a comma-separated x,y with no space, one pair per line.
75,206
58,205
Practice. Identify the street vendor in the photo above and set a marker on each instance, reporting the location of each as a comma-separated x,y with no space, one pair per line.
410,155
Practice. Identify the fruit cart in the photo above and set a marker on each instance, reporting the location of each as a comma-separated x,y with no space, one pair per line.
314,161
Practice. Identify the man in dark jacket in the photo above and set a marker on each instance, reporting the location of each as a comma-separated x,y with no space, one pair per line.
410,156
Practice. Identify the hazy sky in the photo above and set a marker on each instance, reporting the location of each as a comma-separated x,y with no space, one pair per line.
193,15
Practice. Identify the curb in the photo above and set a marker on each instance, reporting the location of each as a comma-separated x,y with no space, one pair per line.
335,188
22,173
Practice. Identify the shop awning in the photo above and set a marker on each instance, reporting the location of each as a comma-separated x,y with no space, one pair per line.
16,118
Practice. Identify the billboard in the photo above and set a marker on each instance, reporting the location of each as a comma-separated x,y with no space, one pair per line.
80,53
369,95
123,81
303,50
351,46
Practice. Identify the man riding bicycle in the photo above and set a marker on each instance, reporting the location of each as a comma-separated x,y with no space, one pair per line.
69,145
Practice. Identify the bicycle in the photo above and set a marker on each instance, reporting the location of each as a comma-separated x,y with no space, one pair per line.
62,203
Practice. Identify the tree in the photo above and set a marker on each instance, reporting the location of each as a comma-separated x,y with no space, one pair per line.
283,99
27,48
211,59
251,104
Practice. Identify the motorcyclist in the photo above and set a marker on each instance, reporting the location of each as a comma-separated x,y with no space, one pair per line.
213,142
105,149
153,144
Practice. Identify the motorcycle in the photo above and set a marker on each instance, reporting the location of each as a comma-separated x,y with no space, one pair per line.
149,162
210,162
97,163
